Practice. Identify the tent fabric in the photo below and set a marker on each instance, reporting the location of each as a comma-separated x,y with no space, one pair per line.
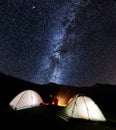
26,99
83,107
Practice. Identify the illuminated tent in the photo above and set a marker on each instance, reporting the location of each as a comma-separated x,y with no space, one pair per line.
26,99
82,107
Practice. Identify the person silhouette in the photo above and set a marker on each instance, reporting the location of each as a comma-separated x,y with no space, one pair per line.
55,101
51,99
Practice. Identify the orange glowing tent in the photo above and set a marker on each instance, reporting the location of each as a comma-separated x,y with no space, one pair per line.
82,107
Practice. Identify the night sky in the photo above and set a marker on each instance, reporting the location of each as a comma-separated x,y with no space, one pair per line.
70,42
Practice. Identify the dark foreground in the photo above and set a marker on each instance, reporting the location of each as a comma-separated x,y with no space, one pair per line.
40,118
47,117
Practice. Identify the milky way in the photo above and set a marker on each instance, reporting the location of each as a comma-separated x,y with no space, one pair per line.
71,42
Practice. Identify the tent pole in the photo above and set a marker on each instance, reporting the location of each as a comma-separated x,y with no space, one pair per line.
86,107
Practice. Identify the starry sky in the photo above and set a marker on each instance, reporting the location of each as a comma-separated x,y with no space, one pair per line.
70,42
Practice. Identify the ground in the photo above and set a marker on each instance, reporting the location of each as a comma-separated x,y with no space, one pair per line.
46,116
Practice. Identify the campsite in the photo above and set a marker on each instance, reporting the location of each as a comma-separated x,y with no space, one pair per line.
45,115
